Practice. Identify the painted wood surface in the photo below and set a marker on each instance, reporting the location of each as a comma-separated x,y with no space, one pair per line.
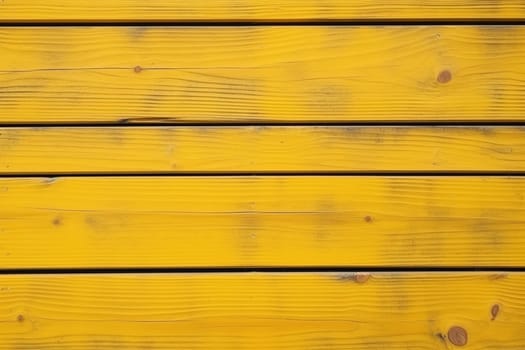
261,74
264,311
285,149
262,221
104,77
257,10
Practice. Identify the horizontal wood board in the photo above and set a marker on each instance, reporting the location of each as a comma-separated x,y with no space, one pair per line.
264,221
262,74
264,311
261,149
257,10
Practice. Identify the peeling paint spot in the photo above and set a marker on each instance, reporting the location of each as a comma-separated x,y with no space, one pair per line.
358,277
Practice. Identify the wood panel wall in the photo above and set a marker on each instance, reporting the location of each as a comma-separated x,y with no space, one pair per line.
296,174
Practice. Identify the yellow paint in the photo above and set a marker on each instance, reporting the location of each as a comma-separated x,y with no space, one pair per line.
270,74
260,149
266,74
256,10
262,221
262,311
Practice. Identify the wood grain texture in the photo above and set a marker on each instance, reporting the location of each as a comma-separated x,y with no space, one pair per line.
260,149
262,221
264,74
262,311
256,10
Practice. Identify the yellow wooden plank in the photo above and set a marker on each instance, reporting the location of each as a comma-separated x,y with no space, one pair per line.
270,74
260,149
256,10
264,311
262,221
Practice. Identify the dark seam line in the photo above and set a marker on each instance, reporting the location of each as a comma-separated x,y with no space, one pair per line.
128,123
283,269
263,23
270,174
